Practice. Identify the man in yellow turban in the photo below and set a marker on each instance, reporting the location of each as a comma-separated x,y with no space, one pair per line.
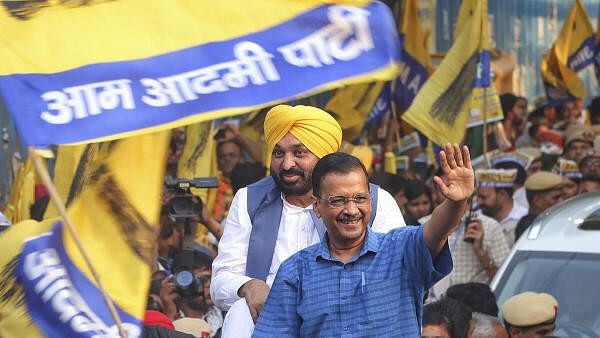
272,219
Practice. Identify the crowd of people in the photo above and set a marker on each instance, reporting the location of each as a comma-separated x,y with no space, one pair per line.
327,242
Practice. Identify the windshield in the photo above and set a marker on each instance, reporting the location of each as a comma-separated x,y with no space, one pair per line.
572,278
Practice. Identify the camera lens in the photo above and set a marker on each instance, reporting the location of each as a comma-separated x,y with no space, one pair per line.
184,279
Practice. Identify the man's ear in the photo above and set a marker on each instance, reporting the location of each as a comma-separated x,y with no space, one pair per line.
316,204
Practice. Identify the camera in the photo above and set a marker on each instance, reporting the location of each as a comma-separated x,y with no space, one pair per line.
187,283
184,206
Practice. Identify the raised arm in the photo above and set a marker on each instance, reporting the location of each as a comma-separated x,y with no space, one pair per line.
457,185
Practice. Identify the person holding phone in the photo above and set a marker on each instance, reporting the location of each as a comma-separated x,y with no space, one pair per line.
478,245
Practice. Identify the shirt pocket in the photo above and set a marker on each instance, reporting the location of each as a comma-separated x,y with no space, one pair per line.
381,301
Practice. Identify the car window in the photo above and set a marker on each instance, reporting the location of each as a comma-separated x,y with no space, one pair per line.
591,222
572,278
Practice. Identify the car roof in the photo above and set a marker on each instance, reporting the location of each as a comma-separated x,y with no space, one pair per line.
559,228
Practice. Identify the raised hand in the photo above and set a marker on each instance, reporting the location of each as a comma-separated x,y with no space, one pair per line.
458,182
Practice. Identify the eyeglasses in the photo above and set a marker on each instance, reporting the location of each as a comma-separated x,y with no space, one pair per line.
359,200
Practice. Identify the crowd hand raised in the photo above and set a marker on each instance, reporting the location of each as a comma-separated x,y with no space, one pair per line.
458,182
474,231
231,133
255,292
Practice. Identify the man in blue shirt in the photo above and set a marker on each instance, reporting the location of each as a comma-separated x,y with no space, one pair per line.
355,282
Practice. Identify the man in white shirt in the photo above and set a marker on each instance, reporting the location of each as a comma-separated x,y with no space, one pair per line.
272,219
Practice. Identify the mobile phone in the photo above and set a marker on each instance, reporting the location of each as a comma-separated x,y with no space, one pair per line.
467,222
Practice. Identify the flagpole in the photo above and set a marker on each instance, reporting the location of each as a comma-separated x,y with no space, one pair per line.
395,115
485,143
58,203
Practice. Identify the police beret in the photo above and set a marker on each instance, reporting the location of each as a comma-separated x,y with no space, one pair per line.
530,308
543,180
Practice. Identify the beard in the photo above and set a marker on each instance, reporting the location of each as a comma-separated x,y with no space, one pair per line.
299,188
198,304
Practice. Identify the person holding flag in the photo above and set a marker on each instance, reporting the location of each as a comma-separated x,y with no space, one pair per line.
460,93
572,51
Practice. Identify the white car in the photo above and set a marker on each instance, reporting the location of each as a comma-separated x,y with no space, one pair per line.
560,254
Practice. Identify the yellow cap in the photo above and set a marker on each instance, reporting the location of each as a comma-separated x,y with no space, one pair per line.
543,180
498,178
530,308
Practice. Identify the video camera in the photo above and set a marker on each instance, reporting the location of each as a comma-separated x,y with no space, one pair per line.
184,206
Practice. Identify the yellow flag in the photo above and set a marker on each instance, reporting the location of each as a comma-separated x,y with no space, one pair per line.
460,93
22,194
47,288
572,51
351,106
199,159
74,164
467,8
148,71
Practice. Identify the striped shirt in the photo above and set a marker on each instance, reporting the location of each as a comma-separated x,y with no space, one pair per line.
378,293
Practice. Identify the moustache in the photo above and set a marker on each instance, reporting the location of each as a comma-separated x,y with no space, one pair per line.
349,218
292,171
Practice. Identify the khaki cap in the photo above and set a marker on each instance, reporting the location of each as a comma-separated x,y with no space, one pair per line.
530,308
584,135
543,180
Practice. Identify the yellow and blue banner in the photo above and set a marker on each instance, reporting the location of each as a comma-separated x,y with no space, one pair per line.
572,51
381,106
107,69
415,64
459,94
47,289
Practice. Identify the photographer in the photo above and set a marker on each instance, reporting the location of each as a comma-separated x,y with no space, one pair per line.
478,248
169,239
193,302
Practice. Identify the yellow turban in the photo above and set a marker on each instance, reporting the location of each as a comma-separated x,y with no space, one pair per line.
315,128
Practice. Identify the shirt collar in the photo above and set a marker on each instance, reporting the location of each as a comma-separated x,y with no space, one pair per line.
371,244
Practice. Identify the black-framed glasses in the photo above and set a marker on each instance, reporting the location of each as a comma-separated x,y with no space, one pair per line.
359,200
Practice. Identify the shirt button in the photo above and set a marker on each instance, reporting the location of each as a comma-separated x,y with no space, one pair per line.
344,297
346,328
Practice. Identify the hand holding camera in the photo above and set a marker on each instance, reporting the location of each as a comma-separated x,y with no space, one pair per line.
169,297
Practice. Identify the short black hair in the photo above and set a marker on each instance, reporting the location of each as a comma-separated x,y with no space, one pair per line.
202,260
509,190
416,188
335,163
391,183
478,296
454,315
244,174
220,144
